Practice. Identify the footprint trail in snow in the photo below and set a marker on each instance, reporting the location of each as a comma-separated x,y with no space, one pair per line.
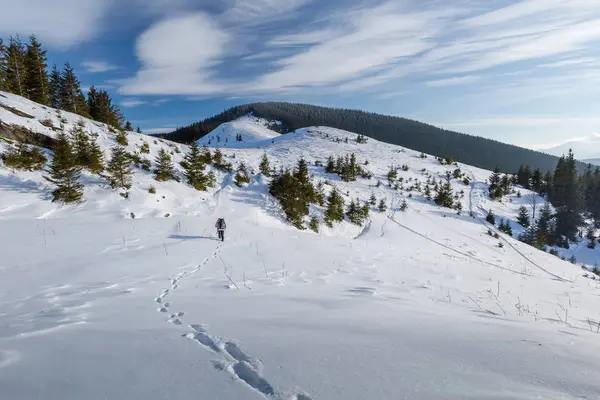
232,358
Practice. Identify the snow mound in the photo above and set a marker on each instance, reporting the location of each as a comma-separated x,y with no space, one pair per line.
252,130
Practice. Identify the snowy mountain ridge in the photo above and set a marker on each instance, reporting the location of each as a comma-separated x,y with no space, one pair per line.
419,304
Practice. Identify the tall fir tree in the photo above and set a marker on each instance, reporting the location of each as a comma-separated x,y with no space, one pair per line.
71,96
523,217
193,165
495,184
335,208
118,168
64,172
164,166
36,65
55,88
264,166
567,197
3,66
307,190
443,196
16,75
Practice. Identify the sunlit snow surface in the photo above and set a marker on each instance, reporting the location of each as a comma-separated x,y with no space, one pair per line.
421,304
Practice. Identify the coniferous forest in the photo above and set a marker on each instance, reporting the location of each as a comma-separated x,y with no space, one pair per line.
471,150
24,71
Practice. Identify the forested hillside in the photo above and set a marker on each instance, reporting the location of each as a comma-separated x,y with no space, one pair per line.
476,151
24,71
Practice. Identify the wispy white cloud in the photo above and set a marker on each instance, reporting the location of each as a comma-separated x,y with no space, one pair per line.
130,103
172,60
459,80
98,66
60,23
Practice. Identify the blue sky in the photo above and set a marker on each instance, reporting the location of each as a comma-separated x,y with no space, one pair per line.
524,72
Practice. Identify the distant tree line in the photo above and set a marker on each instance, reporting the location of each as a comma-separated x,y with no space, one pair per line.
24,71
471,150
575,198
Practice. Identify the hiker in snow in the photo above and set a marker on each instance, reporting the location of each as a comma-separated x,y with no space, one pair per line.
220,225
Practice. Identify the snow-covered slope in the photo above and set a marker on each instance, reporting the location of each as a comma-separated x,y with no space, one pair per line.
421,304
253,132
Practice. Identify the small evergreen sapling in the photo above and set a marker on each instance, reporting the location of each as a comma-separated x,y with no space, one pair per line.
121,138
164,170
382,207
523,217
64,172
264,166
118,168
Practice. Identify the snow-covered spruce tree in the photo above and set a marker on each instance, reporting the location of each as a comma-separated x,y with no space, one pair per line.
523,217
219,163
121,138
495,188
285,188
211,179
335,208
443,195
118,168
241,176
403,205
392,175
96,157
164,170
264,165
354,212
193,164
372,199
490,217
64,172
330,166
307,190
382,207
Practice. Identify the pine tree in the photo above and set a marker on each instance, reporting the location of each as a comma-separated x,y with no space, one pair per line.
81,144
36,65
335,208
330,167
211,179
55,88
591,237
118,168
372,199
193,165
285,188
71,97
121,138
381,207
443,195
490,217
392,175
307,190
96,160
523,217
545,227
164,166
3,66
64,172
567,197
241,177
16,75
264,166
128,126
138,130
495,184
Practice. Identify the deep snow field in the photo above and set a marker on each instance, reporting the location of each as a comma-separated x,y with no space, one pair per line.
421,304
